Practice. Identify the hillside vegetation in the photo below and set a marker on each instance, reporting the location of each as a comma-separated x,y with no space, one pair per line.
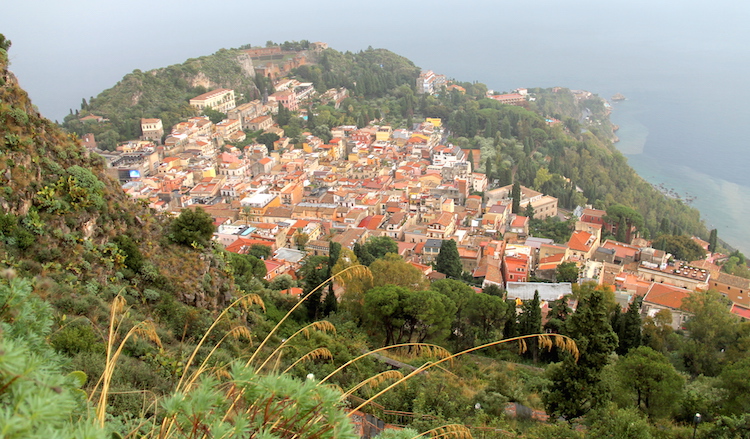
163,93
118,322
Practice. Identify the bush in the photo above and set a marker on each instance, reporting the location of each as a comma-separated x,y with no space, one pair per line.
77,337
192,227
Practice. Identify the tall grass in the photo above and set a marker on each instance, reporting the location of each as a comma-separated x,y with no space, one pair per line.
248,400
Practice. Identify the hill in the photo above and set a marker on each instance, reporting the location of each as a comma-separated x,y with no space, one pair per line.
189,341
163,93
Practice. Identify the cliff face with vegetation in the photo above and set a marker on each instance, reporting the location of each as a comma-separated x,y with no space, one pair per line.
65,224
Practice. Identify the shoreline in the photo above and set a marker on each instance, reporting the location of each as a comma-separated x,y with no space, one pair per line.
721,203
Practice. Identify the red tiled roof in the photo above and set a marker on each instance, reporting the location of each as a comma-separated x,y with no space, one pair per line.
741,311
519,221
666,295
578,241
239,245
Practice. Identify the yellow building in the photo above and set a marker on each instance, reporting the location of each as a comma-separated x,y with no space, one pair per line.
383,134
221,99
435,121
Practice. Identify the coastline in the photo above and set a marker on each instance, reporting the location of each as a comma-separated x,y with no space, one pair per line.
721,203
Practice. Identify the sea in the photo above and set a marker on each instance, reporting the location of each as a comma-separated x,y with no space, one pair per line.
682,68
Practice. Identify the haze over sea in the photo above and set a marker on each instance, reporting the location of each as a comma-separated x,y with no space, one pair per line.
682,66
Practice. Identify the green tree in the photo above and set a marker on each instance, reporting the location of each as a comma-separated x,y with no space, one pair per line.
626,218
567,272
352,299
611,422
362,254
576,385
486,314
213,115
283,116
313,273
403,315
330,301
393,269
494,290
657,331
260,251
510,329
681,246
448,260
712,329
192,227
300,239
246,268
629,327
713,239
268,139
516,195
530,322
557,316
379,246
734,381
529,211
650,381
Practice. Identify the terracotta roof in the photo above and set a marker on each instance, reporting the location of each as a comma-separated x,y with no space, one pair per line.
578,241
445,219
295,292
519,221
741,311
666,295
242,244
554,259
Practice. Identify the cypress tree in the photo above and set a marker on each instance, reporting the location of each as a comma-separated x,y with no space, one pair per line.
713,240
530,322
629,328
448,260
577,385
330,304
516,195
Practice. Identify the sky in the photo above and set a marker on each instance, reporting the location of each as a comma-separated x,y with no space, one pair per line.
65,51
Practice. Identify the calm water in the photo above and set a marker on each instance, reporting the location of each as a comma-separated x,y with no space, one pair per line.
683,69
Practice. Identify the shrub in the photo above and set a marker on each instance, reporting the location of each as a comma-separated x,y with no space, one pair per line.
192,227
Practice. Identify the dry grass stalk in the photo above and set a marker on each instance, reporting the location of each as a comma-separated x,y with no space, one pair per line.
437,350
374,381
522,346
569,345
354,269
323,326
147,329
236,333
244,301
457,431
315,354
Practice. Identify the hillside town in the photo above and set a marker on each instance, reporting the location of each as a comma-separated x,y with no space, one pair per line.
409,184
